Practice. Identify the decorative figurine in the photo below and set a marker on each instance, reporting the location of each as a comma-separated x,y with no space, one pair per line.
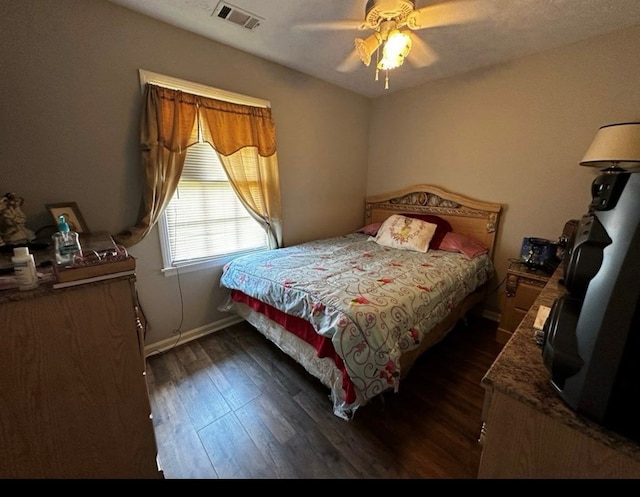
13,229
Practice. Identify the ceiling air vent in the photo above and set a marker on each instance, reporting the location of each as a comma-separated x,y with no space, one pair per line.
237,16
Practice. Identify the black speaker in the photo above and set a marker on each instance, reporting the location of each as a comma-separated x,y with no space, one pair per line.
591,338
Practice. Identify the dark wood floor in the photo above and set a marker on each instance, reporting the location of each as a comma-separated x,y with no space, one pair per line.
232,405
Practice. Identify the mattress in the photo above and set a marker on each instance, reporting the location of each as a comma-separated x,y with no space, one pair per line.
363,305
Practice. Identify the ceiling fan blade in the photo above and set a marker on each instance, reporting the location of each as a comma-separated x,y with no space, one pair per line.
446,14
350,63
330,26
421,54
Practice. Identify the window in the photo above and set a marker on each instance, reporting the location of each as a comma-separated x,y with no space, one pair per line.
204,220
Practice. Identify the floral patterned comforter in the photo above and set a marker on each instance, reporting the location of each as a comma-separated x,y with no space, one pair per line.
373,302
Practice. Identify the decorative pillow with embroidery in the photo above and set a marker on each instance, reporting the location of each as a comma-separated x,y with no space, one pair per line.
443,227
404,233
457,242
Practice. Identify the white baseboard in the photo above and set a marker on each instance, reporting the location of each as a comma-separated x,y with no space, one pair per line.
491,315
187,336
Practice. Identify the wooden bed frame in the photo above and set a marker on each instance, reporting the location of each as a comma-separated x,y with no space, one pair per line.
471,217
466,215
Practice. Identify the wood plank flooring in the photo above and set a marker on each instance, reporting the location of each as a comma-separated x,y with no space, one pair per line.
232,405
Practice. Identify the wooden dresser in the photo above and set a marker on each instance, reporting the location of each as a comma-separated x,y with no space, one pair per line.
529,432
522,287
73,392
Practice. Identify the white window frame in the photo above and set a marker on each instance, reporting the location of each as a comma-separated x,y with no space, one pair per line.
206,91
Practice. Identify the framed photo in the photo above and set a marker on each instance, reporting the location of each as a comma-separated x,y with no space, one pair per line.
71,213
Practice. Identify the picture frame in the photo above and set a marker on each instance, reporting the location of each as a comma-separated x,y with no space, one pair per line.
72,215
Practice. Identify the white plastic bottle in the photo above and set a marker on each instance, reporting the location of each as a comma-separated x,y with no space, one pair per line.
25,268
67,243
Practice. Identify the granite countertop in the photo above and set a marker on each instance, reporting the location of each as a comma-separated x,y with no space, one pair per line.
520,373
99,242
9,291
46,280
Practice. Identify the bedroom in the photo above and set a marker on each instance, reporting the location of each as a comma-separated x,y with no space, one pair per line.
511,134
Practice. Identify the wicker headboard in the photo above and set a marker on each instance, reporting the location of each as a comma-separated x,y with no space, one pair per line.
466,215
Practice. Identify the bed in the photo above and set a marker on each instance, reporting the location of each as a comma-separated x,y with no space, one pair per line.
357,310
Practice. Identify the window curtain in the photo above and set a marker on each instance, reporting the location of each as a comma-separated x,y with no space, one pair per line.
242,135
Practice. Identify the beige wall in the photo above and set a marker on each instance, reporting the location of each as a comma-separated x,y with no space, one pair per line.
69,124
513,134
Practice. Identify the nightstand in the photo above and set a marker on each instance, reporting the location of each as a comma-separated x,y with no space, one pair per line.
523,285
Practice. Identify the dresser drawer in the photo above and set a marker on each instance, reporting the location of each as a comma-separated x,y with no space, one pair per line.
511,319
526,294
522,289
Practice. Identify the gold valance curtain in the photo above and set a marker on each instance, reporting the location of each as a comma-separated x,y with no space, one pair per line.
242,135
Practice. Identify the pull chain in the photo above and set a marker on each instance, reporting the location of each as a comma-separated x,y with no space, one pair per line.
377,61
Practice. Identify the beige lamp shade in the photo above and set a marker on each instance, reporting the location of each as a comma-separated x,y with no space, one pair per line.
614,143
365,48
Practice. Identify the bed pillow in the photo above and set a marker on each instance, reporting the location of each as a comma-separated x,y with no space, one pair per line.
443,226
370,229
405,233
457,242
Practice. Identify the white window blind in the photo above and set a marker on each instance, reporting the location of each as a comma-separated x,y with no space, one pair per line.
205,219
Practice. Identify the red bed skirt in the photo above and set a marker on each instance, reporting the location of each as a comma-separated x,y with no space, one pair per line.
302,329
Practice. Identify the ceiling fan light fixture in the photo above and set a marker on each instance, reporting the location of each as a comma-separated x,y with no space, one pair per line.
365,48
396,48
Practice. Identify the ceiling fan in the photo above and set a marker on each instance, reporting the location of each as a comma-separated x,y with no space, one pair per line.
393,23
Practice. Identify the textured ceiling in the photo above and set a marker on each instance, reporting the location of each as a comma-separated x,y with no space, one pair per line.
509,29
